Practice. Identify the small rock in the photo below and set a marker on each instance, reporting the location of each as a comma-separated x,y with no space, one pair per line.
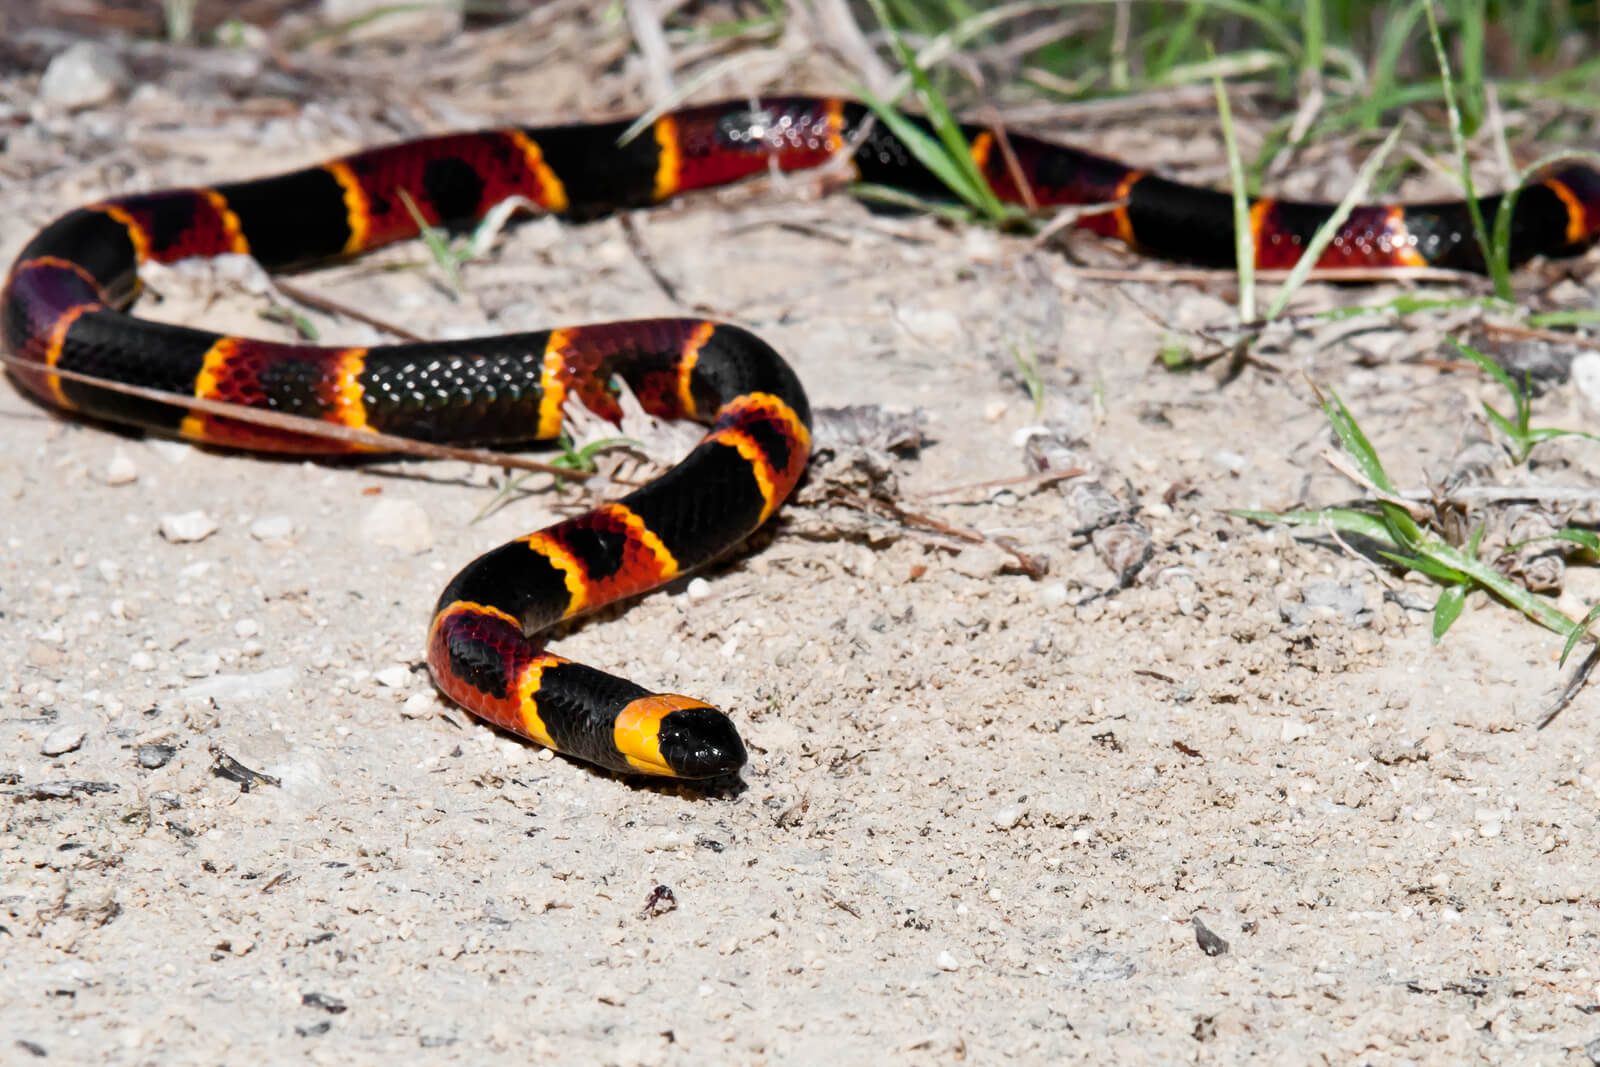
1008,817
84,75
1231,462
142,661
1296,731
932,326
1323,598
188,527
419,705
698,589
246,628
173,452
242,686
150,757
272,528
1209,942
1586,376
63,739
394,677
398,524
121,470
981,561
947,962
201,664
1052,595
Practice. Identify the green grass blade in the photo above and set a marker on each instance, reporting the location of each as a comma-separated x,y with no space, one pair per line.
1496,258
1330,228
955,166
1447,609
1355,443
1585,539
1397,30
437,242
1579,631
1311,30
1244,245
931,154
1424,564
888,194
1344,520
1580,317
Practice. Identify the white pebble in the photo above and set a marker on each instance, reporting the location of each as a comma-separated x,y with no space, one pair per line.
933,326
170,451
1295,731
1586,376
272,528
398,524
394,677
109,571
84,75
1053,595
242,686
981,561
419,705
142,661
947,962
121,470
1007,817
698,589
246,628
190,526
62,739
1231,462
1489,829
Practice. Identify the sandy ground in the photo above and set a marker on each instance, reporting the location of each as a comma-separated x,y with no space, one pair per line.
986,814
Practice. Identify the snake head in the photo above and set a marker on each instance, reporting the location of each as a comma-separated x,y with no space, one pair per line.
678,737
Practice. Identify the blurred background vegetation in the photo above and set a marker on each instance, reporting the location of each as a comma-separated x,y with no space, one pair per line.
1363,59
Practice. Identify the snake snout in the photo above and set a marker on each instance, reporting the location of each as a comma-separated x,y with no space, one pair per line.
700,743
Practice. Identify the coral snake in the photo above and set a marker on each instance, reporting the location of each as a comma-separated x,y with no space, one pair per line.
64,300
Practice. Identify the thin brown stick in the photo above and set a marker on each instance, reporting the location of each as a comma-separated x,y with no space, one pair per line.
1013,165
1064,217
1040,479
365,440
1570,690
647,259
1538,333
301,295
1030,566
909,518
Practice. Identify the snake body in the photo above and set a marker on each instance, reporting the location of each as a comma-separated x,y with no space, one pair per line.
64,308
